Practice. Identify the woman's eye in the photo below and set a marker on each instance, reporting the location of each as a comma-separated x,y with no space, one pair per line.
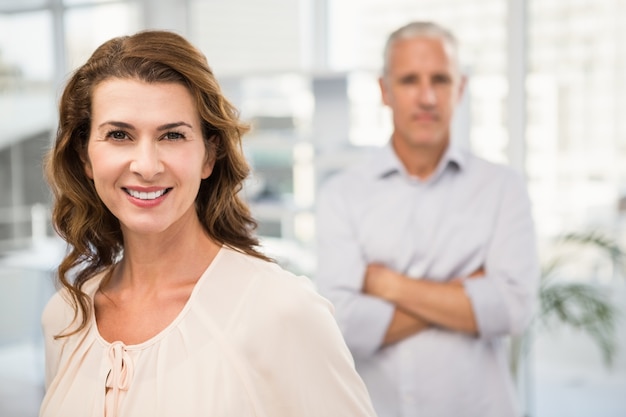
174,136
117,135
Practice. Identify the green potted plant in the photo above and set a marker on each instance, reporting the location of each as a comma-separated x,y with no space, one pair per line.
567,300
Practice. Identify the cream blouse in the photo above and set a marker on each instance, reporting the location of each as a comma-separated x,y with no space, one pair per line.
252,340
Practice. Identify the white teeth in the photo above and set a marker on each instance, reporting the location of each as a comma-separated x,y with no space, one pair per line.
146,196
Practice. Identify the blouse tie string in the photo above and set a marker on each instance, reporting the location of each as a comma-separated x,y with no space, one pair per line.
119,377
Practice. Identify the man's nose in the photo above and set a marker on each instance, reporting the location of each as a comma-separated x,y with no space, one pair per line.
426,94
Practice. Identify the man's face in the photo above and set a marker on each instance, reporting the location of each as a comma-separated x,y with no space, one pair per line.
422,86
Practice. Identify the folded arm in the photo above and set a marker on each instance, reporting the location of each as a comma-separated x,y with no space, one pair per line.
420,303
494,301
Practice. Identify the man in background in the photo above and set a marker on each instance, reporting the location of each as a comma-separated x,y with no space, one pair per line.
427,251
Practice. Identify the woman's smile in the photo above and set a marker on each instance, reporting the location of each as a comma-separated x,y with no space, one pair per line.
153,150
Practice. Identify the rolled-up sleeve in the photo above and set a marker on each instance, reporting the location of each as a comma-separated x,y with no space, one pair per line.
341,266
503,301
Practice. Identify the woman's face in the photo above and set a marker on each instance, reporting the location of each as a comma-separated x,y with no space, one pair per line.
146,153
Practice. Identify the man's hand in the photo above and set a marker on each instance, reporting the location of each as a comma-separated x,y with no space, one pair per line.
479,273
441,303
384,283
381,281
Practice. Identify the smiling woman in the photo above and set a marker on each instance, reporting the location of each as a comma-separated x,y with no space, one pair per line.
168,307
147,154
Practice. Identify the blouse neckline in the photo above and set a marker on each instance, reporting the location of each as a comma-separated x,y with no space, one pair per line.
163,333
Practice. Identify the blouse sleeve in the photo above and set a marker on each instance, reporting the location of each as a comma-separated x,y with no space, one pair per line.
302,363
54,318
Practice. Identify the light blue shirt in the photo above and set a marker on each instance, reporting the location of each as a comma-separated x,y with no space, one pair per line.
469,214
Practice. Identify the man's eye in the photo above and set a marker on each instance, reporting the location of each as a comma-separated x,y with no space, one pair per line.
408,80
442,80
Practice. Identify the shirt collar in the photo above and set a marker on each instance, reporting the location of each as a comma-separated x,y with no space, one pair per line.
388,163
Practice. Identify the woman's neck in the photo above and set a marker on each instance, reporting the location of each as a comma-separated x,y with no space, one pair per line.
181,253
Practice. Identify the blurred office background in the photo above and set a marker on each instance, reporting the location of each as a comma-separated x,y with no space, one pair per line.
547,95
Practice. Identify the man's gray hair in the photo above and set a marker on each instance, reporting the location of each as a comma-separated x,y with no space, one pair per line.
422,29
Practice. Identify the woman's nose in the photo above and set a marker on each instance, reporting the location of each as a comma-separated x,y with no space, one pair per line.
146,160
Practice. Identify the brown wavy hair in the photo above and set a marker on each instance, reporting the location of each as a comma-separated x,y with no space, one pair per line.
92,232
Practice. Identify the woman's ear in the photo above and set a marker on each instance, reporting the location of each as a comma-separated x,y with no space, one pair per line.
209,160
84,158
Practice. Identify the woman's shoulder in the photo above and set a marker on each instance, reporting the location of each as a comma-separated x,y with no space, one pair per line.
58,311
264,289
58,314
269,276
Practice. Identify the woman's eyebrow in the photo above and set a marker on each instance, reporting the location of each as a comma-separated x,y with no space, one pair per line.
174,125
123,125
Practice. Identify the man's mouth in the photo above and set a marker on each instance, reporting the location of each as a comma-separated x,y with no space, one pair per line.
425,117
